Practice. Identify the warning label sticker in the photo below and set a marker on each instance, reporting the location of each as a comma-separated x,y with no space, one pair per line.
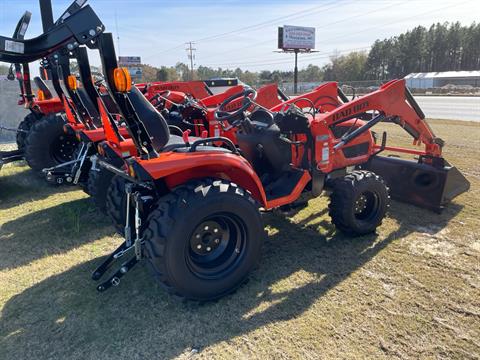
14,46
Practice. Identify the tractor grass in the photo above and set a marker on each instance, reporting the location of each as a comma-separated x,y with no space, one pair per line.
411,291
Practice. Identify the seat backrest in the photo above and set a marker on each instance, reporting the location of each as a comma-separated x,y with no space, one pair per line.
153,122
89,106
42,86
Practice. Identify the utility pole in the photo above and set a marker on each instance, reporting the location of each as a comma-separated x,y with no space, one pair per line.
191,55
295,72
118,34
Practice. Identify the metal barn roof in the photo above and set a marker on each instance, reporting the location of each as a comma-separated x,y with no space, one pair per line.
444,74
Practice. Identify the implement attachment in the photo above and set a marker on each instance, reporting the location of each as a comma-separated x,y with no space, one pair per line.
430,186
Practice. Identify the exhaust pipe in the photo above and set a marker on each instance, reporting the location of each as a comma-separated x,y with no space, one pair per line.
430,186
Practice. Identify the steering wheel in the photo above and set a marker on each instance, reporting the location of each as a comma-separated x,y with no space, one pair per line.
249,95
161,98
163,94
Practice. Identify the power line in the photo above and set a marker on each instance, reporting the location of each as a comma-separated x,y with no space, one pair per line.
118,34
313,56
269,22
316,27
250,27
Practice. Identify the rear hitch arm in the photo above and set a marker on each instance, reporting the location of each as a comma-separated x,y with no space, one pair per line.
126,246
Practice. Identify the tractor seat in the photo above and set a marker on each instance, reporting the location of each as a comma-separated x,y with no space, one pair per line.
89,106
153,122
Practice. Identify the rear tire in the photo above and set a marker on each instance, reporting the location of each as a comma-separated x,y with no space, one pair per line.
48,145
203,239
98,183
24,127
116,202
359,202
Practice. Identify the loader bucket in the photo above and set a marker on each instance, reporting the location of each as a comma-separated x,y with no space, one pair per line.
417,183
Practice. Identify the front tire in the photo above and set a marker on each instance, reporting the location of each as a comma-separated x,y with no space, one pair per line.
47,144
203,239
358,202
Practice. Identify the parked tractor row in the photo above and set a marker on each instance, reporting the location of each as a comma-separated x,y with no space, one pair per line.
185,174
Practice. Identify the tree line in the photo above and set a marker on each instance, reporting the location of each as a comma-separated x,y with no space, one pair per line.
442,47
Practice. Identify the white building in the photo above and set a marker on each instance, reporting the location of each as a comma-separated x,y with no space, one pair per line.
440,79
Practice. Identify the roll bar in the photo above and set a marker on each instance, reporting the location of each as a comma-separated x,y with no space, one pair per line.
19,33
77,29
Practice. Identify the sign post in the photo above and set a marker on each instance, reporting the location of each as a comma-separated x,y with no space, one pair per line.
296,39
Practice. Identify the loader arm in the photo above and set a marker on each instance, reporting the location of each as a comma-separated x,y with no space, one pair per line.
394,103
19,33
324,97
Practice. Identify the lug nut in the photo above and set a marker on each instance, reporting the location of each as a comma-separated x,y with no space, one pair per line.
209,248
217,241
197,236
205,228
199,246
215,230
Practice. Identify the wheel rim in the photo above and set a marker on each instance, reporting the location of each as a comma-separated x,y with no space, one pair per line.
63,148
366,206
216,246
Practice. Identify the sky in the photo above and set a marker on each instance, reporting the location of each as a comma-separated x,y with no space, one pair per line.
243,33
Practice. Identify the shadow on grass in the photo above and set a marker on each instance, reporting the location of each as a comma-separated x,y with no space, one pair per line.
64,317
50,231
24,186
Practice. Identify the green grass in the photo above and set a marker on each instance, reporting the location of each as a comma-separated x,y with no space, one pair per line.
411,291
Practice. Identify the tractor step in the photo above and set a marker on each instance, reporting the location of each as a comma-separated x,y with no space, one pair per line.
284,185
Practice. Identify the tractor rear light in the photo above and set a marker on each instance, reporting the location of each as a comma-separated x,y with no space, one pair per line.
72,82
122,79
40,95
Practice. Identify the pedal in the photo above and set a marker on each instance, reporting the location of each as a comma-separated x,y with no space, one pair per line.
114,280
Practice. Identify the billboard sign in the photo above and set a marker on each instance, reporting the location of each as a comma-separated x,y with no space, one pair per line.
296,37
135,72
129,60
